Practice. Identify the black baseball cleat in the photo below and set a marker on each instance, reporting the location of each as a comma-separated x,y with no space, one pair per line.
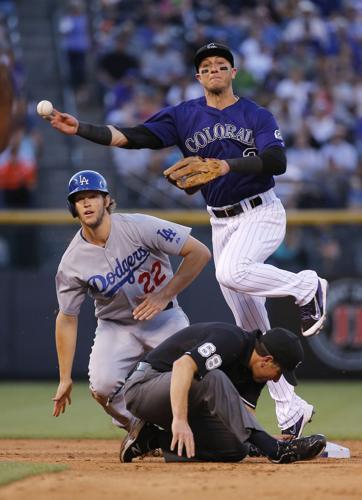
140,441
305,448
313,314
296,430
254,451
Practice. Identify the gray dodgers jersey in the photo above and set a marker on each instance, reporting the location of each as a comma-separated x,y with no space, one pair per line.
133,262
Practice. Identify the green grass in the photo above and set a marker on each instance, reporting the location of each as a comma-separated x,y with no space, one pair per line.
13,471
26,411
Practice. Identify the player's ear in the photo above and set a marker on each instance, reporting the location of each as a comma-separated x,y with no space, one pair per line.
233,73
107,201
267,359
198,76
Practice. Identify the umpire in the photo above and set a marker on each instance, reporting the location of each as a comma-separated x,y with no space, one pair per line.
197,390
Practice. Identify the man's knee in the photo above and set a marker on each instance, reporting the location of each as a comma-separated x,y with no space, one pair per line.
104,384
233,276
102,389
100,398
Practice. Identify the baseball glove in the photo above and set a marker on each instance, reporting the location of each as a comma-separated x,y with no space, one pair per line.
194,172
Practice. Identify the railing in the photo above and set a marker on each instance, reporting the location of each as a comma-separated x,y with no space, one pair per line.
190,217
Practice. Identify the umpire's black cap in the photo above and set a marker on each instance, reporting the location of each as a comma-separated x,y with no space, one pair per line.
213,49
286,349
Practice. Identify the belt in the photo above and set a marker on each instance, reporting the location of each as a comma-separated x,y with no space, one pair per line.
236,209
141,366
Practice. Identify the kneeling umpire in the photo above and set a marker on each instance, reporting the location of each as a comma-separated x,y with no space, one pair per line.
196,392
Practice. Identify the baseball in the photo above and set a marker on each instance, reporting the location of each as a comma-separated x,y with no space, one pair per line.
44,108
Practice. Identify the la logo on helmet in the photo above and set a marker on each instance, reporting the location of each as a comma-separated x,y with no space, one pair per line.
83,180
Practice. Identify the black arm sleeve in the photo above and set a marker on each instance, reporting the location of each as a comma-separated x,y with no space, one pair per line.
95,133
272,161
140,137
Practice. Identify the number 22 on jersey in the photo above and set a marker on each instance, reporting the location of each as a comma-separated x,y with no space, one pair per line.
153,279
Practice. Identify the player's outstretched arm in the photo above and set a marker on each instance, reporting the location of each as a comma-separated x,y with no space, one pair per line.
66,338
106,135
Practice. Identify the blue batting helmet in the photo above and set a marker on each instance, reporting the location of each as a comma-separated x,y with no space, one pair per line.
85,180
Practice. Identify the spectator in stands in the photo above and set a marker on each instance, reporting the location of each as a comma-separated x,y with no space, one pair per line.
116,63
321,123
18,170
296,89
307,26
76,43
307,159
340,152
161,64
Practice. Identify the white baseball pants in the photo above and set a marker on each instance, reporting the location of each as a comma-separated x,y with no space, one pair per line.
116,350
241,244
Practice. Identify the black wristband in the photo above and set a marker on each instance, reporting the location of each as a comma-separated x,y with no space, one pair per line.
95,133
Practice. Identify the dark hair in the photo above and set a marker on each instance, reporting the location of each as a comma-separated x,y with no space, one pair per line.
112,204
261,349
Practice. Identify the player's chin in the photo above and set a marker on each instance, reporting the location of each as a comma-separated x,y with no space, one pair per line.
216,87
91,221
260,380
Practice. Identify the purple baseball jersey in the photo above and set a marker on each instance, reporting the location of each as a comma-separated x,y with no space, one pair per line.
242,129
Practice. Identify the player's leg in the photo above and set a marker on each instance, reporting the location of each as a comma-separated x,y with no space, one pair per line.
250,314
114,353
256,234
251,238
249,310
166,323
117,349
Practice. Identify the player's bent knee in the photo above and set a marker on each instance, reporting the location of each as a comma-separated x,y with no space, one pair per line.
99,398
233,278
103,389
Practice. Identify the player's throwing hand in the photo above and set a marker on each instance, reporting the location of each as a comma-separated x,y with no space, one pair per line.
63,122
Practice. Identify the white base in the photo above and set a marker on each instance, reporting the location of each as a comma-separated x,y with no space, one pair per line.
333,450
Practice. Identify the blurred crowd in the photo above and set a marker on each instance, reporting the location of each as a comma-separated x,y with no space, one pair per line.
301,59
19,161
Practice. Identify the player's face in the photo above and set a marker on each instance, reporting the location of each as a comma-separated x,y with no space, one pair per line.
91,207
215,74
266,369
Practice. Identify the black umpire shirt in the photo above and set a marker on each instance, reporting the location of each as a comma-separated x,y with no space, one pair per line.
213,345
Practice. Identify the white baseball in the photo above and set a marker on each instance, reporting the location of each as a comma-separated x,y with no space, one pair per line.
44,108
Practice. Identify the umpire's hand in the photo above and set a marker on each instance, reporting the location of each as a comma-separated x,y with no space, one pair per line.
182,436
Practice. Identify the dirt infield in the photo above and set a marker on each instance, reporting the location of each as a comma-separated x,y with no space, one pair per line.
96,474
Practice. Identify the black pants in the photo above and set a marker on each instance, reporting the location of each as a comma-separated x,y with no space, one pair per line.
218,418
